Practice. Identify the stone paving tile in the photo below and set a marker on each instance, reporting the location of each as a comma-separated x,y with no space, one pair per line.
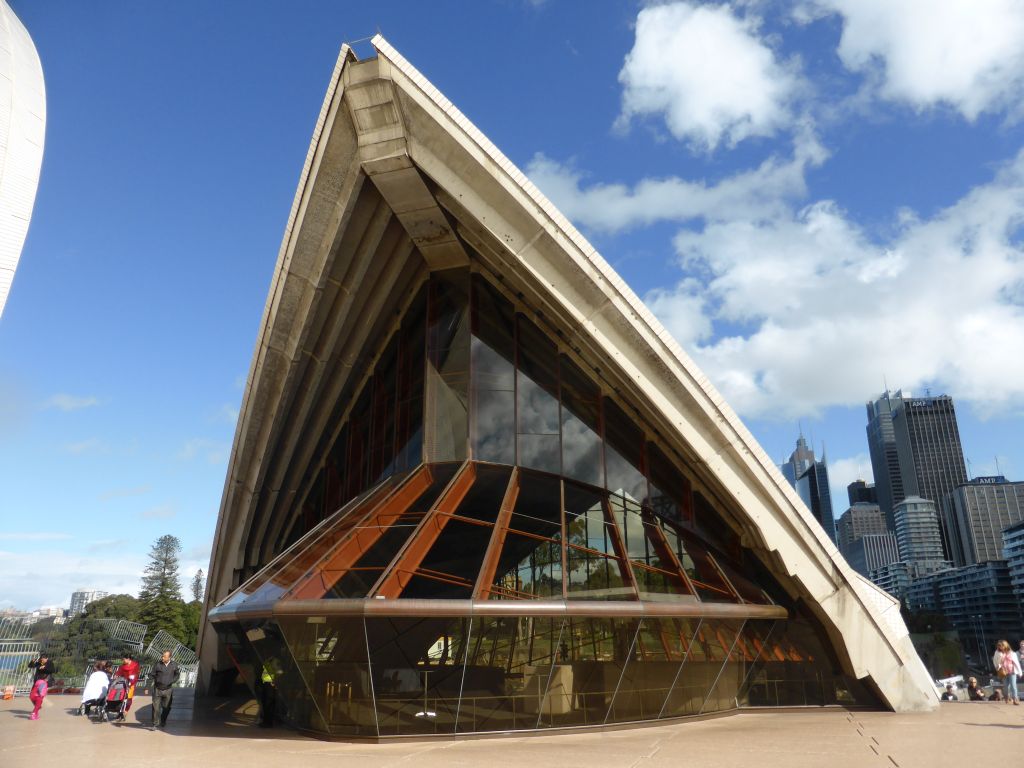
953,735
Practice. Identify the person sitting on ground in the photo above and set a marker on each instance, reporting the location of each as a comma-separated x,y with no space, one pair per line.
975,691
95,690
949,695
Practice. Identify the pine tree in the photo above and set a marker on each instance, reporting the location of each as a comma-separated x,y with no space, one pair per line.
198,582
160,595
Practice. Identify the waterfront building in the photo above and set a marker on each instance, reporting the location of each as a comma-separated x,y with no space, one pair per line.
1013,554
22,131
475,486
980,510
871,552
978,600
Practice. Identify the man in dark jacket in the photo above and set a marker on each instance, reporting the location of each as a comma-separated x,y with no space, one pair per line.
165,675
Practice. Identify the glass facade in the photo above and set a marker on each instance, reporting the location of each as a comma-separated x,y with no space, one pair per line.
493,541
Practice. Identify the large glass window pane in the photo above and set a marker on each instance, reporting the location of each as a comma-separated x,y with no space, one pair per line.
698,565
649,673
382,536
382,437
452,565
669,490
530,564
448,367
537,399
507,673
330,653
591,655
724,693
493,378
581,438
623,453
411,362
417,669
286,692
688,688
595,567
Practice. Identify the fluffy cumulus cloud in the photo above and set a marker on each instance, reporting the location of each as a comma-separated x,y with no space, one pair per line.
966,54
824,311
758,193
707,71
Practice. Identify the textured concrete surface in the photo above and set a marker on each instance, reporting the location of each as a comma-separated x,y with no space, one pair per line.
809,738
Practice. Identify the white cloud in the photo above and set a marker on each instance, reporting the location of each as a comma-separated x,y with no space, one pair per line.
124,493
824,312
89,447
708,72
34,536
161,512
65,402
966,54
759,193
30,580
213,451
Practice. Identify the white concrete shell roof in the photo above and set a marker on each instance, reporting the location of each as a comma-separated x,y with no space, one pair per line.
22,129
396,179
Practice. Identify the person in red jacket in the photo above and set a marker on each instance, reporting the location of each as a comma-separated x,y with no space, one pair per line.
129,670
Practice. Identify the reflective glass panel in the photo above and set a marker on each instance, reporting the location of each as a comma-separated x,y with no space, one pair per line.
724,694
581,438
530,564
448,367
281,688
595,569
330,653
623,453
649,673
494,377
417,669
537,399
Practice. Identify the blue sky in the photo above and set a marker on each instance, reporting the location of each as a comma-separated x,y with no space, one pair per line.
815,197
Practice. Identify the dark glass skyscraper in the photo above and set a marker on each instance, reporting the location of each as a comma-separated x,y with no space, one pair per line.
810,479
885,462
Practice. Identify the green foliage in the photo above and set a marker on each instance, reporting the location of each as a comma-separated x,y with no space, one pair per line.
192,613
114,607
198,584
161,606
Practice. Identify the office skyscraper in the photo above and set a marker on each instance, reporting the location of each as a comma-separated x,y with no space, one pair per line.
885,462
860,520
931,457
810,479
860,492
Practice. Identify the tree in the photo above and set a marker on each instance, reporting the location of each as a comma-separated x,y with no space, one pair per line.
198,583
160,595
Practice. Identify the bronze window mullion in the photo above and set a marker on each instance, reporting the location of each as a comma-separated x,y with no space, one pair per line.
485,578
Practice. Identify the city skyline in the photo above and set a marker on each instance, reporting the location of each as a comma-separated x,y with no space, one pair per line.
174,134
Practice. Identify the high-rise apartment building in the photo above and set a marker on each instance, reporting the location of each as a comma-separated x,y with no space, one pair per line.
885,462
860,520
979,512
918,535
810,479
1013,553
82,598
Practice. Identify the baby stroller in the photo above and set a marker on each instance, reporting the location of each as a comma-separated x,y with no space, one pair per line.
117,699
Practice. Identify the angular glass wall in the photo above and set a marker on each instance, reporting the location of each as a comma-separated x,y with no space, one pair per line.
492,542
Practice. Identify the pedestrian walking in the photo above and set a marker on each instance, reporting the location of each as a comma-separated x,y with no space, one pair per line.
41,679
165,674
129,670
1007,667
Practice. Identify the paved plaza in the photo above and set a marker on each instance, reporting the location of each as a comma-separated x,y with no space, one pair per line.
958,734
